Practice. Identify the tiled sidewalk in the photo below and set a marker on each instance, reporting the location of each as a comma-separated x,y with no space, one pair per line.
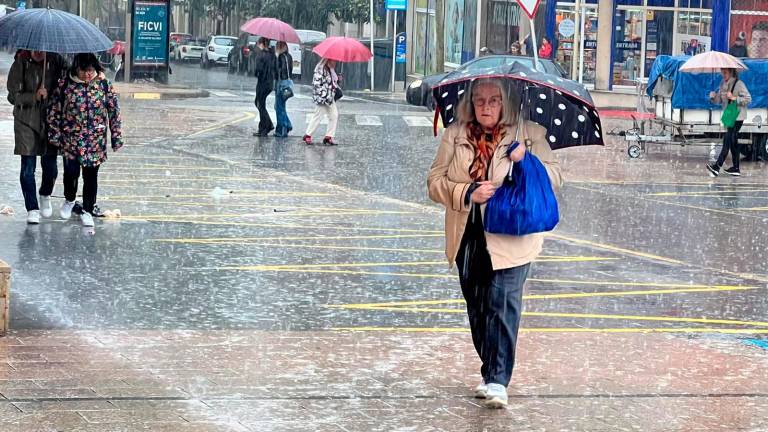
338,381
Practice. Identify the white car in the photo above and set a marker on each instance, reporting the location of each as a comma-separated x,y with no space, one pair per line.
306,36
189,50
217,50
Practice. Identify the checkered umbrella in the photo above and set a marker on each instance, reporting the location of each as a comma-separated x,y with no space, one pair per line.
562,106
51,30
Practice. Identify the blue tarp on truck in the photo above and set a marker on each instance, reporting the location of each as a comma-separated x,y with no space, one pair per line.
691,91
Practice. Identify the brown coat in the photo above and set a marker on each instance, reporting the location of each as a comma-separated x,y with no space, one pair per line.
449,180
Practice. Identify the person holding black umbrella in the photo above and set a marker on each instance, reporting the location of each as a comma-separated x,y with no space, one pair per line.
31,80
473,158
83,118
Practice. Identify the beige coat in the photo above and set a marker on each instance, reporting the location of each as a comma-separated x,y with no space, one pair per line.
449,180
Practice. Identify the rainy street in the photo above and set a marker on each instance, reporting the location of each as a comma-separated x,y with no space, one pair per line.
260,284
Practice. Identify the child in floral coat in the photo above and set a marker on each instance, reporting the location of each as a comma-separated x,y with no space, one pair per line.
83,117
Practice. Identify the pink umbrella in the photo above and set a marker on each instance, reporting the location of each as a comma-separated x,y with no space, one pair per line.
712,61
271,28
343,49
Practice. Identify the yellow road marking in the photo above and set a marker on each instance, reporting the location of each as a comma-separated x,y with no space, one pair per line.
556,330
146,96
400,305
228,196
304,227
131,168
617,249
368,237
246,116
126,177
156,165
710,192
271,214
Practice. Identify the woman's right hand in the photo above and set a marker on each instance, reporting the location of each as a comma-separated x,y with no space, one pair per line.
712,95
483,193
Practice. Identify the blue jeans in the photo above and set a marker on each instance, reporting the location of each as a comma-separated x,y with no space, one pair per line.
283,122
27,179
494,318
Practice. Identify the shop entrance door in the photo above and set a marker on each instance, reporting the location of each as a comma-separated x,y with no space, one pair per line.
660,25
628,46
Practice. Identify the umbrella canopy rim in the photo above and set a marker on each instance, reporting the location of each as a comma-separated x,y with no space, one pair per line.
244,28
514,77
334,39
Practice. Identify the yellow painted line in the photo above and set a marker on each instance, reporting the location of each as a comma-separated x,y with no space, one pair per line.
246,116
156,165
133,168
617,249
271,214
368,237
316,266
126,177
555,330
711,192
542,297
304,227
755,209
229,196
146,96
334,247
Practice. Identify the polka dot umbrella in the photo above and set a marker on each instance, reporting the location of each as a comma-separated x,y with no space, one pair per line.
562,106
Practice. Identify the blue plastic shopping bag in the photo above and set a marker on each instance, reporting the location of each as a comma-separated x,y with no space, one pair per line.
525,203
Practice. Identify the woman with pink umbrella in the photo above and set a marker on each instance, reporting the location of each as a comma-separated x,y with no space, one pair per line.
325,82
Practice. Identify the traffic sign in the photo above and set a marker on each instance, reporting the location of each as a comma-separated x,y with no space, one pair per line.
400,48
529,7
399,5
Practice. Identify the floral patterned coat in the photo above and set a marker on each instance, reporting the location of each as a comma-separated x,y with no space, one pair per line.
323,90
82,117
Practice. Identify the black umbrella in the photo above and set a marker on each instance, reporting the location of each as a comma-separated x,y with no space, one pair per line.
562,106
51,30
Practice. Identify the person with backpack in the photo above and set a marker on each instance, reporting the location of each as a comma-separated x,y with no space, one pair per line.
734,97
31,80
84,117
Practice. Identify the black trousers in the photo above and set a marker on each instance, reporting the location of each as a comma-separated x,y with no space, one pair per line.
731,143
72,170
265,122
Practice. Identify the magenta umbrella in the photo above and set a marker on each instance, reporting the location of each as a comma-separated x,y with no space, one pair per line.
271,28
343,49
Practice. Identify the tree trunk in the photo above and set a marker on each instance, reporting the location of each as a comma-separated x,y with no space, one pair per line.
440,39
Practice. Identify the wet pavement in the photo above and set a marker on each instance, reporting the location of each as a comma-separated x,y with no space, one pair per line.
264,285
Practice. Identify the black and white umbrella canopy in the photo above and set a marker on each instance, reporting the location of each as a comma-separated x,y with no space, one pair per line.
562,106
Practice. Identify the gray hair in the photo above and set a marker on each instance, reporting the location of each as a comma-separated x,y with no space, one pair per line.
465,112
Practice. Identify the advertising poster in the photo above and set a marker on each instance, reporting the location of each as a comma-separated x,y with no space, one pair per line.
454,30
150,33
749,19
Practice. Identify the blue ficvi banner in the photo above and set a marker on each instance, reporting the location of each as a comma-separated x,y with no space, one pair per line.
150,33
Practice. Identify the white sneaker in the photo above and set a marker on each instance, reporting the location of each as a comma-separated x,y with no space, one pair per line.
496,396
46,210
66,209
481,390
86,219
33,217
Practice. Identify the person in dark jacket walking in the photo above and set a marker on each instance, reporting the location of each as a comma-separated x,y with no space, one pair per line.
266,65
83,118
31,80
284,68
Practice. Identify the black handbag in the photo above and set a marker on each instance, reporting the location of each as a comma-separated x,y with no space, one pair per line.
473,260
287,93
338,94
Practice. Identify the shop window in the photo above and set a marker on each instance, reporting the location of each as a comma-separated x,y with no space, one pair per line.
630,2
502,25
748,19
661,3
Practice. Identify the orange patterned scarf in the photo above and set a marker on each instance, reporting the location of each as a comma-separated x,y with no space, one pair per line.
485,144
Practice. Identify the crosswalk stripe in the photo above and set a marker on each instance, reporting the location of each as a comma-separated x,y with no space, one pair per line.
368,120
417,121
221,93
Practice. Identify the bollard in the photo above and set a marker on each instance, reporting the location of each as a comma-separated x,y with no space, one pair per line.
5,289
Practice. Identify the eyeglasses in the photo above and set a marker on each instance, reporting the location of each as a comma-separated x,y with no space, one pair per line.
493,102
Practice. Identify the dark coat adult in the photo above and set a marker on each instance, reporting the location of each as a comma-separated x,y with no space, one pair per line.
284,66
265,70
29,114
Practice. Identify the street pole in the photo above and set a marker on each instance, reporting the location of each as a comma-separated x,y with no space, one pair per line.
394,51
128,66
373,50
577,48
535,46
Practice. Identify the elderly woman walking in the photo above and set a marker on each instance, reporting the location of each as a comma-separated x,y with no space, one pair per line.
732,91
471,163
31,81
84,118
325,93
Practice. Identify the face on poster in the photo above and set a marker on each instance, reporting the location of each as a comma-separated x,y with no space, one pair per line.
454,34
752,26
